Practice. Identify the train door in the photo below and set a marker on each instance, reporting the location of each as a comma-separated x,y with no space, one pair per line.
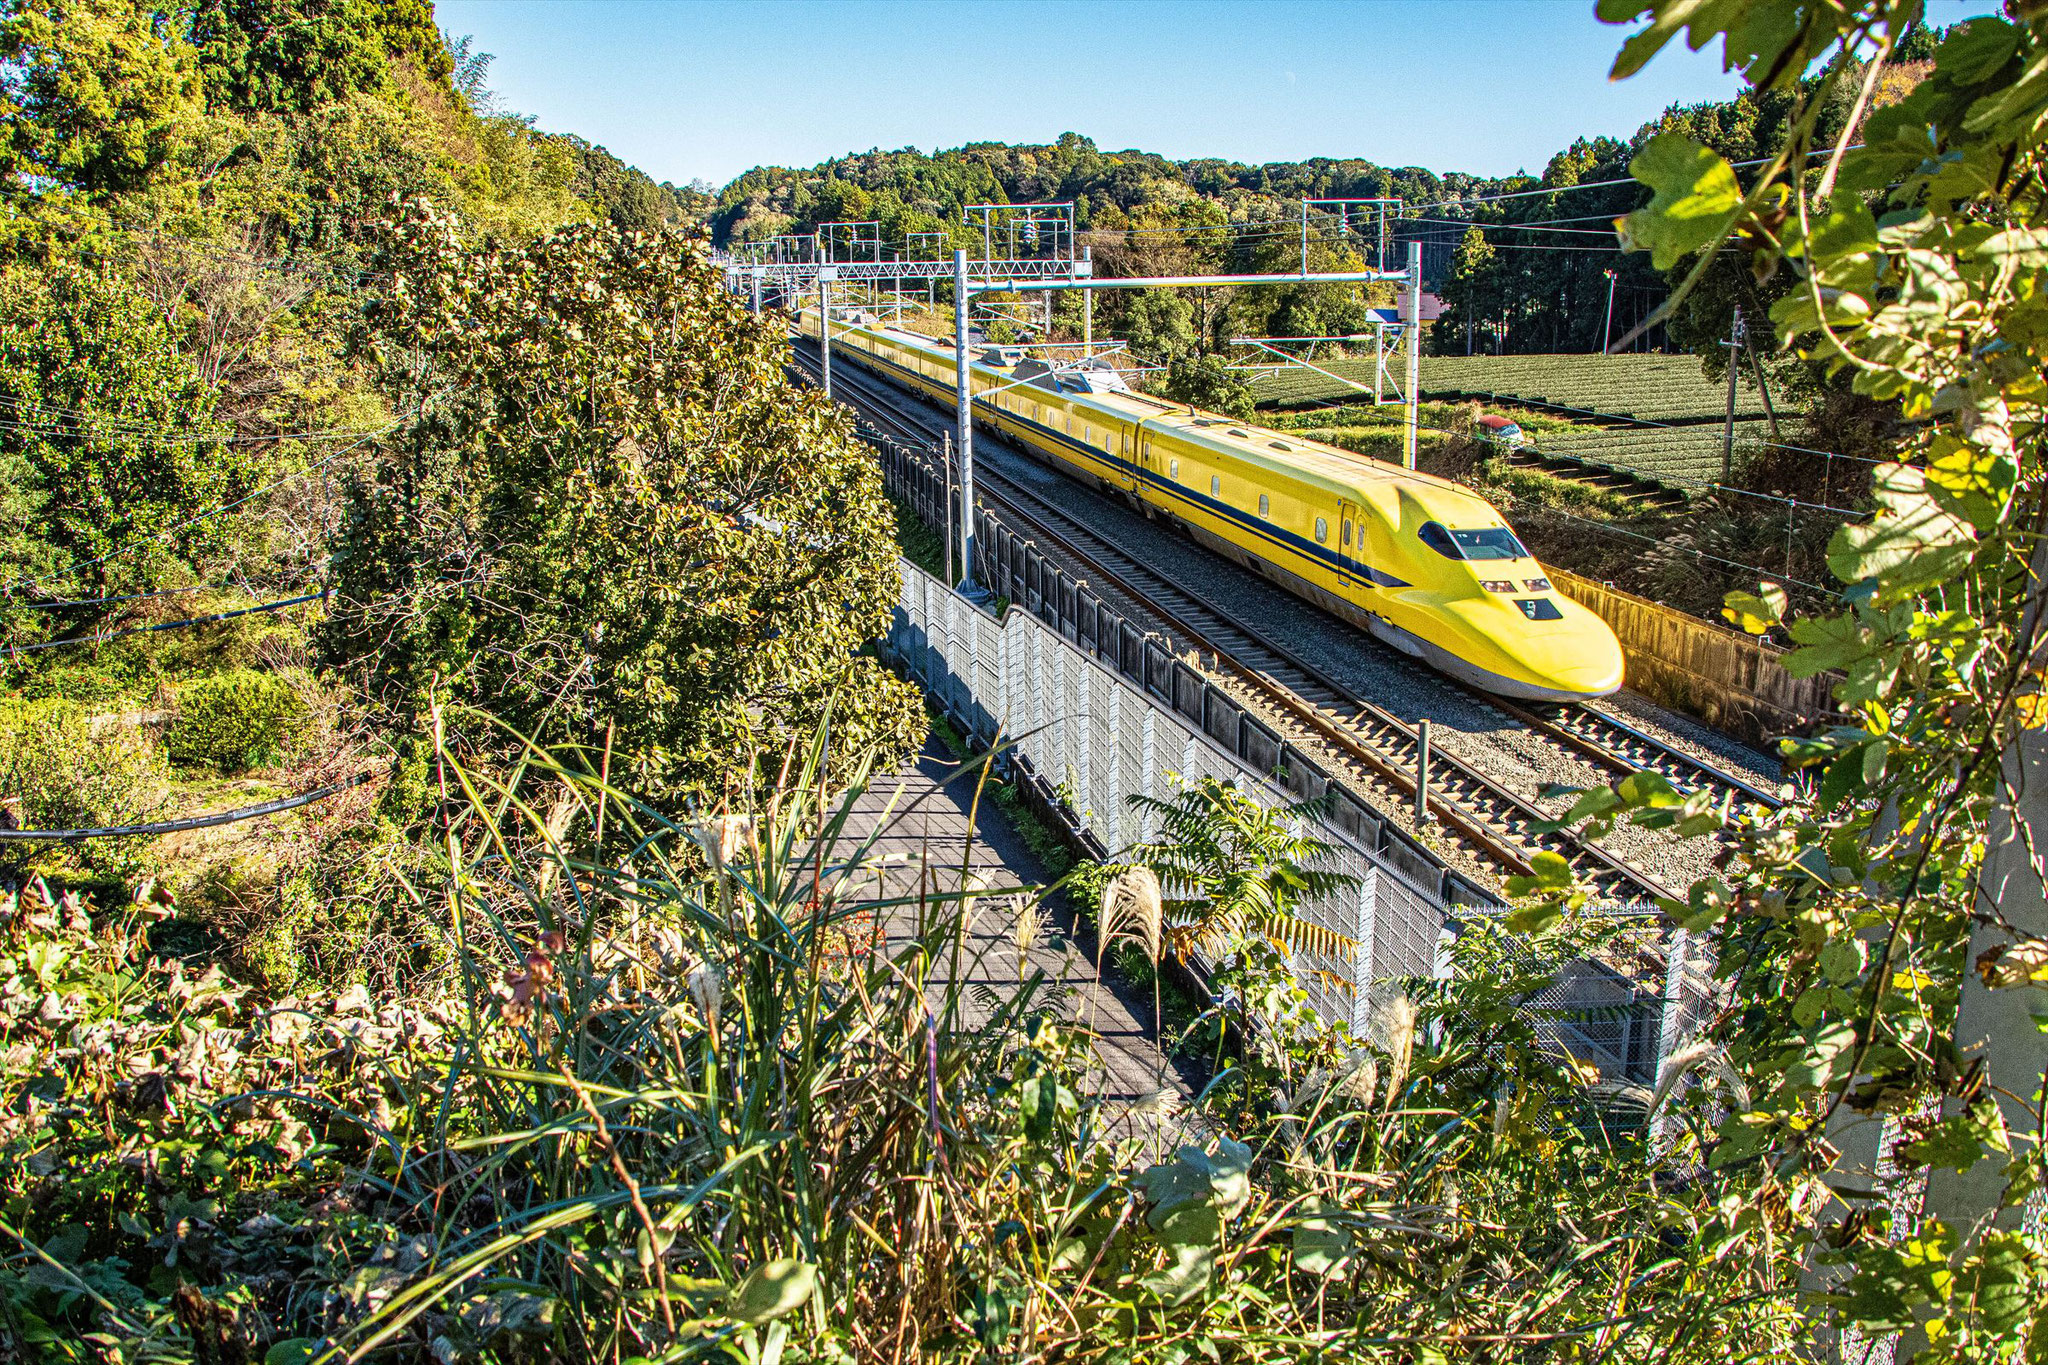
1350,536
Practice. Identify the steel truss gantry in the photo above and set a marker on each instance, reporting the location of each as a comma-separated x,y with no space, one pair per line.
1381,379
850,241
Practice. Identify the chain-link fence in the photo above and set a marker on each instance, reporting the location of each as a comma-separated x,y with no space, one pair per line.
1092,741
1096,709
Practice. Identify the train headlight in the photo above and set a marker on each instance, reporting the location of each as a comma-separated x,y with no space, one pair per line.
1496,585
1536,584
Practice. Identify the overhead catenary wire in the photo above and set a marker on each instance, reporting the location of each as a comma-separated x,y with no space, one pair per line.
226,817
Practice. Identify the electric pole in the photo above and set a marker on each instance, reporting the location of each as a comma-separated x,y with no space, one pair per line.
1087,309
825,327
1607,327
1728,418
965,434
1414,353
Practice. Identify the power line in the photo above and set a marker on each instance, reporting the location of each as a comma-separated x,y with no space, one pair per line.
226,817
108,601
1597,184
1511,227
133,436
11,651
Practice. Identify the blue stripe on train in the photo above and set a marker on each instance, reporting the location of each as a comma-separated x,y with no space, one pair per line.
1362,574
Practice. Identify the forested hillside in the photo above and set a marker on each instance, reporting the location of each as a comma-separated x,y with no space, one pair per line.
1523,259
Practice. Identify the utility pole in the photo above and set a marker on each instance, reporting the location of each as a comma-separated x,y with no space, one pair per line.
1997,1026
1414,353
1087,308
1304,236
757,291
1607,328
1728,417
965,399
825,278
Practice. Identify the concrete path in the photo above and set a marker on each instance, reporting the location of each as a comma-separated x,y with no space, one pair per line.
922,815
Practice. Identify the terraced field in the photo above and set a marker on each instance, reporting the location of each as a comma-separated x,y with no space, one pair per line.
1646,388
1684,457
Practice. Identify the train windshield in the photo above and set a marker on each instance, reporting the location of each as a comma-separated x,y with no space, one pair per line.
1490,542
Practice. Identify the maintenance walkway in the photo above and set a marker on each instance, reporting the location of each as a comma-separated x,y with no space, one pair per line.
925,842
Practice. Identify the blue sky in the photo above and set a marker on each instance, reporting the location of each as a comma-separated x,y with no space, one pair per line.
707,88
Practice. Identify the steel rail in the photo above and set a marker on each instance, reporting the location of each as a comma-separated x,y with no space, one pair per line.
1498,822
1583,729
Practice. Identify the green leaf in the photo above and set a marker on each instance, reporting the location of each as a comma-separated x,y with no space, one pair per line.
1191,1225
1756,612
1828,642
1843,778
1649,789
1695,199
1847,230
772,1289
1550,870
1187,1273
1841,961
1911,544
291,1351
1220,1179
1969,482
1951,1144
1815,1064
1975,51
1322,1246
2003,1282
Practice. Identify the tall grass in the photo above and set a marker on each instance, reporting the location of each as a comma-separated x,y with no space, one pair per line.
707,1093
696,1090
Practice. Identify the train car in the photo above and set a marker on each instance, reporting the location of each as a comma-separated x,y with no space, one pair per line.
1420,562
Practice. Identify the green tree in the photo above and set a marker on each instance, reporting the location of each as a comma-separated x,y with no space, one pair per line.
1852,925
113,436
1470,292
1207,382
609,507
96,97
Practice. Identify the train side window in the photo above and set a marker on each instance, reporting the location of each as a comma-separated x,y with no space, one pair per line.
1322,530
1215,485
1263,505
1173,470
1347,533
1437,538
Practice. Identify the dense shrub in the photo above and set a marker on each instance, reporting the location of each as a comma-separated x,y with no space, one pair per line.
232,722
65,774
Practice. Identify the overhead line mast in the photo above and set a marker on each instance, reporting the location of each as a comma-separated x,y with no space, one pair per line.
1054,267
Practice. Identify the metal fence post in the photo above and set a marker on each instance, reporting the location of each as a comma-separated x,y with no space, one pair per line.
1422,773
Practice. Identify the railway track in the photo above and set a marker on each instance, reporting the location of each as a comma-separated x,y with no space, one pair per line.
1500,826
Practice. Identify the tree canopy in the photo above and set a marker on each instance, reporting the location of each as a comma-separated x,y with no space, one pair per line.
610,511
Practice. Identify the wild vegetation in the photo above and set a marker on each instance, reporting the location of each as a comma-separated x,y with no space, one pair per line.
569,1027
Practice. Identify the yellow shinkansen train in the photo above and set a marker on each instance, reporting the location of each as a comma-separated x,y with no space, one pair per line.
1418,561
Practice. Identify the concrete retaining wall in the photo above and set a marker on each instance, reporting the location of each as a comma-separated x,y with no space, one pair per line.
1732,681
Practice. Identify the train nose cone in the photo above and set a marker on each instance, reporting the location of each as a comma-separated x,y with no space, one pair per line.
1597,672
